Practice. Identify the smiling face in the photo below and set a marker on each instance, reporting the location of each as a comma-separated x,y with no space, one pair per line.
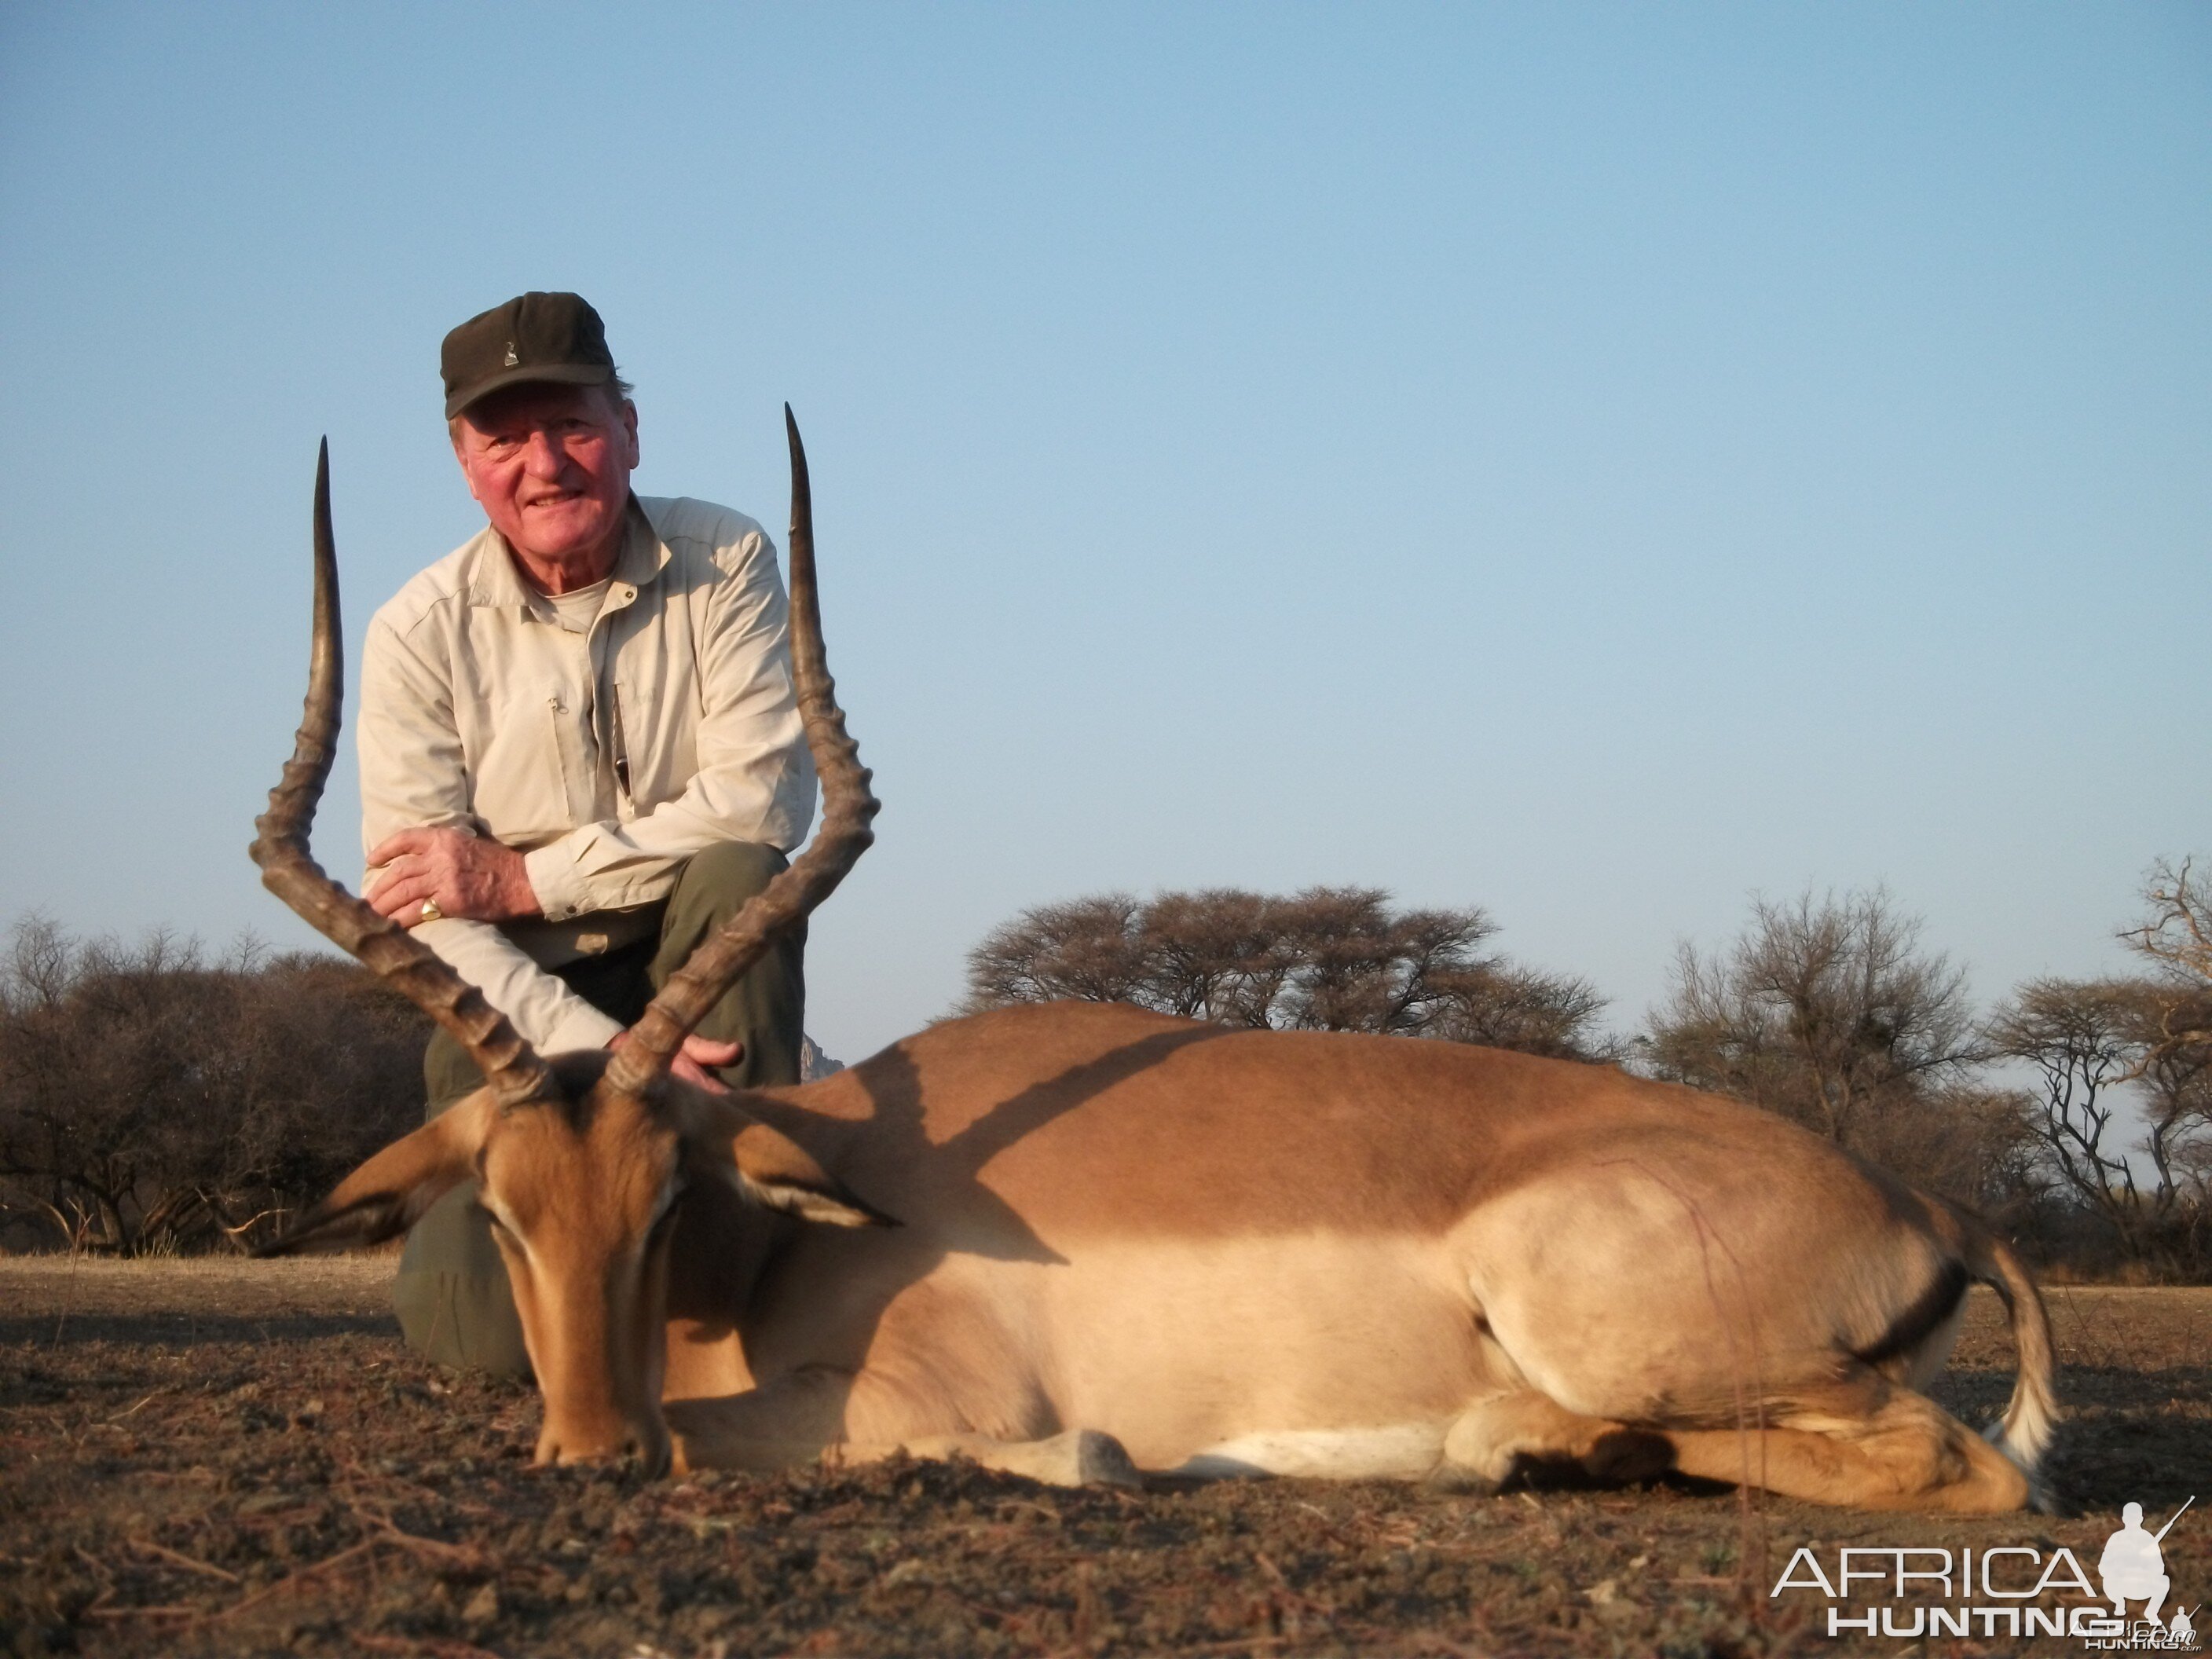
551,467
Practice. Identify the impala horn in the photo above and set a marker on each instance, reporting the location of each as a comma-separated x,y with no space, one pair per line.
510,1066
847,811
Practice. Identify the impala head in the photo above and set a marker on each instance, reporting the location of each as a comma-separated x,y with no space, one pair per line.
584,1187
583,1160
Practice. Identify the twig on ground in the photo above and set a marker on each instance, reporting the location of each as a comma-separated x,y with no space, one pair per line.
290,1580
170,1611
136,1409
463,1554
183,1560
106,1577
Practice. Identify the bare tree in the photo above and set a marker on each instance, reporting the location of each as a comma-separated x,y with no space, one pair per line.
2176,937
1329,958
1830,1011
150,1099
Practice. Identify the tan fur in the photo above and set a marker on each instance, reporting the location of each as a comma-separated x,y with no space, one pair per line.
1249,1251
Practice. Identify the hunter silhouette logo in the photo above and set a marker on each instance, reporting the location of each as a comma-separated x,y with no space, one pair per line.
2133,1569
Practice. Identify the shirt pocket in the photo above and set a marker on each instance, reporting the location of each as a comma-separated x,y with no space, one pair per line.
660,720
528,759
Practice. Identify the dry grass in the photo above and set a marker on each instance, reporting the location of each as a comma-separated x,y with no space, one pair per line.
230,1286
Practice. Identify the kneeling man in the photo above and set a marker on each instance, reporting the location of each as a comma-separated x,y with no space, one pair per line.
579,754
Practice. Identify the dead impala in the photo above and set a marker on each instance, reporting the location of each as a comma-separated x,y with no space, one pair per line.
1066,1239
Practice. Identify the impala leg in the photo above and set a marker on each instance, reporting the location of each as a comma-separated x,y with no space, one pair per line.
1529,1433
705,1361
801,1417
1076,1457
1900,1450
790,1420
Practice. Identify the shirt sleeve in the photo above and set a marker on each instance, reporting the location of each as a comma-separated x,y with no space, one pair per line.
413,775
755,777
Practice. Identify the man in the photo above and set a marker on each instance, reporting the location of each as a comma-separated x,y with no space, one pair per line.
579,754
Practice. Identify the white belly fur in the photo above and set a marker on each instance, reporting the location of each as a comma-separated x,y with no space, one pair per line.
1404,1452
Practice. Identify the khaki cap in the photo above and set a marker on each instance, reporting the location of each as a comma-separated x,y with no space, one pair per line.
533,337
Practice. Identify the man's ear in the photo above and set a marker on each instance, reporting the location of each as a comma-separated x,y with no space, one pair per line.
770,1169
629,427
388,1195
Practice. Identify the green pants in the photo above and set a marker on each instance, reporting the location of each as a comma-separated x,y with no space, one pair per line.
452,1292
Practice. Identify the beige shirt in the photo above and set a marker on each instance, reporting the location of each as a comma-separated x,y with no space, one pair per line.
607,758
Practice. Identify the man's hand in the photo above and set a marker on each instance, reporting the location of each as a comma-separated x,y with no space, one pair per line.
471,878
694,1057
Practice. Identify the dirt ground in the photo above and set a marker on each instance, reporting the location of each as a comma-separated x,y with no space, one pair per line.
227,1457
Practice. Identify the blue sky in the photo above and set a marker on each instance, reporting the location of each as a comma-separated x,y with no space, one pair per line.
1595,463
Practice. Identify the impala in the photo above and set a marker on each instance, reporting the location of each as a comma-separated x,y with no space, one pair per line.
1081,1240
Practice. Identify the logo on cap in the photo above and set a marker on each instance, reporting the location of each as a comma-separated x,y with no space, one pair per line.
512,361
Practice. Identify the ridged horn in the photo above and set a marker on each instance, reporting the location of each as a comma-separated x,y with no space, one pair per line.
848,809
510,1066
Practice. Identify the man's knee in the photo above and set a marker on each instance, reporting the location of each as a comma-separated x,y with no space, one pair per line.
724,876
449,1076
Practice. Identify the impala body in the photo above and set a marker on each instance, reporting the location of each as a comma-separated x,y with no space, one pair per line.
1079,1241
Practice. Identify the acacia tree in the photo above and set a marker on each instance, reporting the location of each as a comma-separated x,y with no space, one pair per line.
2081,1038
2099,1047
1329,958
2175,1073
2175,1080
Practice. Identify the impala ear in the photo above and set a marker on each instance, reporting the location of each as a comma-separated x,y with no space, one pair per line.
770,1169
388,1195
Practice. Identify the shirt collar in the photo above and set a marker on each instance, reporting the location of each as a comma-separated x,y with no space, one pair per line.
493,580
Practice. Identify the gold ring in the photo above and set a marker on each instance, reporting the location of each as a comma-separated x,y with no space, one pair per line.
429,912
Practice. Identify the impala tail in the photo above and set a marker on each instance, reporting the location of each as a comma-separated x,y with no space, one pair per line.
2024,1432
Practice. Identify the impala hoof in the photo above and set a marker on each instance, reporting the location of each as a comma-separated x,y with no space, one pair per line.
1075,1457
1102,1461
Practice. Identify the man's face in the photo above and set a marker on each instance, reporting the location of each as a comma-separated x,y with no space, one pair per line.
551,467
